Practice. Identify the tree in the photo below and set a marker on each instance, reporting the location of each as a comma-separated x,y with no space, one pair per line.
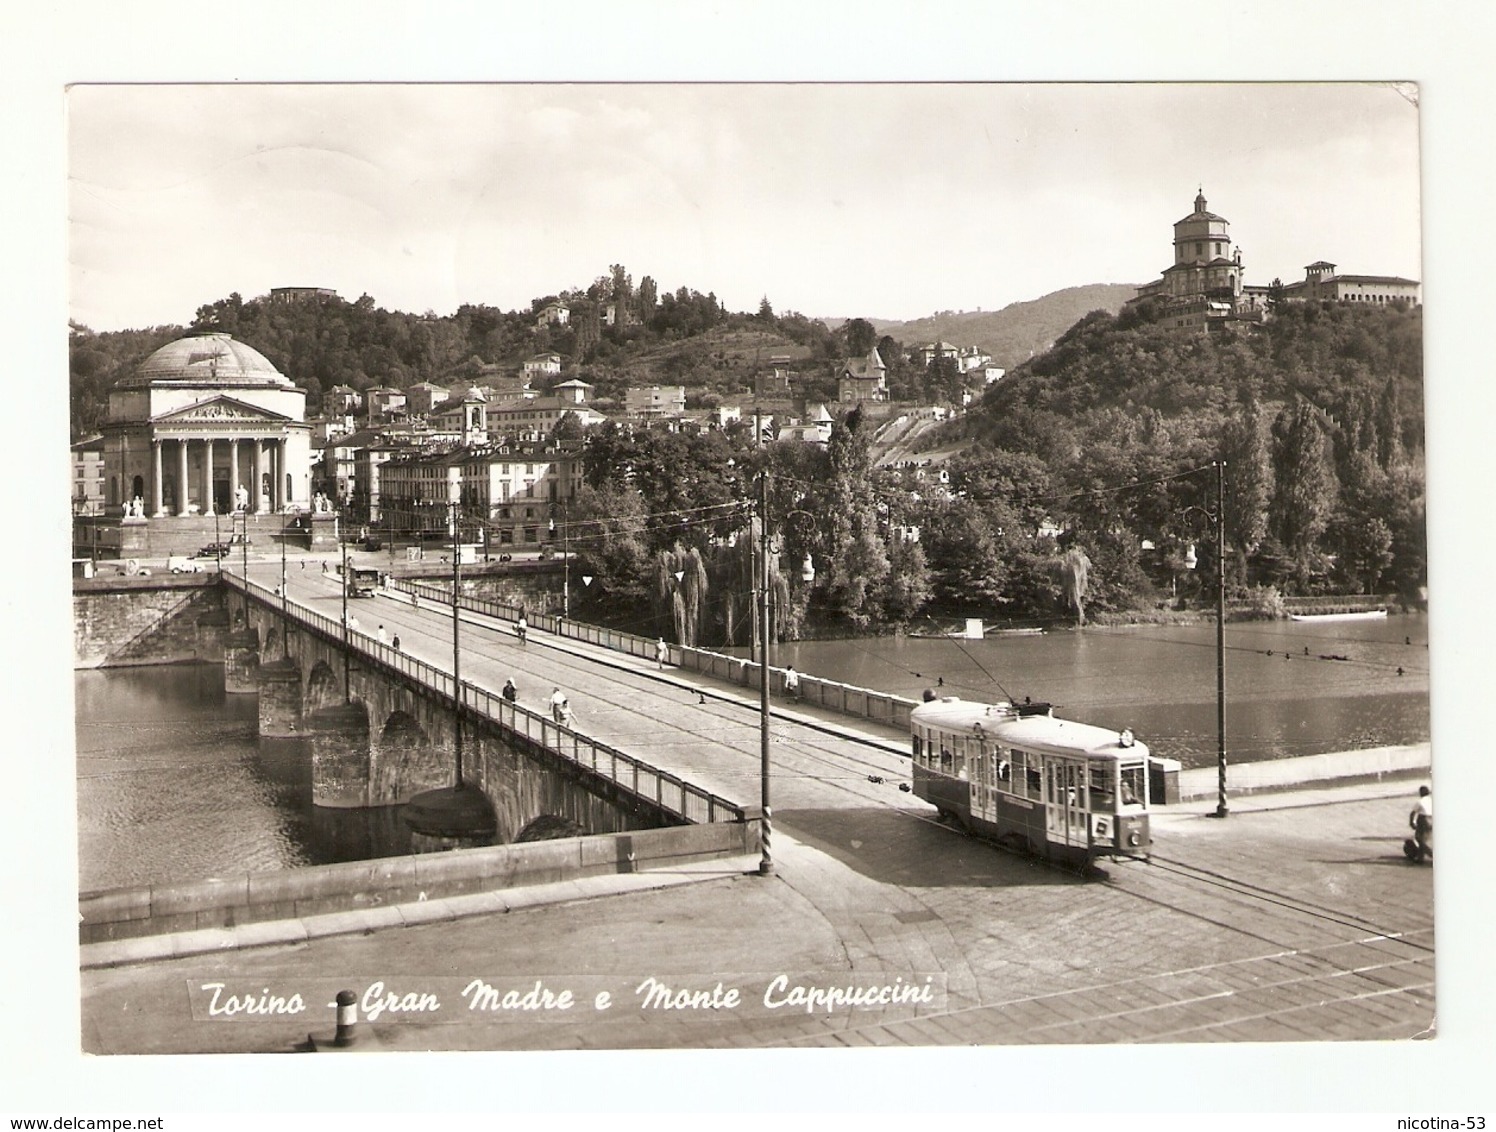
1306,488
680,590
765,311
1249,481
1075,577
568,431
605,533
861,338
648,299
908,586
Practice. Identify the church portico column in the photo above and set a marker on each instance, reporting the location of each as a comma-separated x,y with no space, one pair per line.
255,502
182,492
208,476
234,481
157,511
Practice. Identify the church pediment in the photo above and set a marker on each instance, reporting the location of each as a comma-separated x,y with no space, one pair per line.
218,410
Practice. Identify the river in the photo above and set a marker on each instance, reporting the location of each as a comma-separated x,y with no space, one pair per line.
173,785
1285,693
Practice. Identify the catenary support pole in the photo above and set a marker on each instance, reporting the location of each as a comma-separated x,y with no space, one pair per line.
766,860
1220,512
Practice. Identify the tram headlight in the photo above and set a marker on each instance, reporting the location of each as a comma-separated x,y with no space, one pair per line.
1133,839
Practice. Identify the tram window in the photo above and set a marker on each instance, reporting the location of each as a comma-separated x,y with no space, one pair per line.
1134,785
1035,783
1103,797
1018,772
917,754
945,759
958,761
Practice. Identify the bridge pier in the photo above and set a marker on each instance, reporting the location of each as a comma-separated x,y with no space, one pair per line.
279,685
339,739
241,660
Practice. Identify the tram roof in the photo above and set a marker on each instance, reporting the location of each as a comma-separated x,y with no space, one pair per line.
1003,723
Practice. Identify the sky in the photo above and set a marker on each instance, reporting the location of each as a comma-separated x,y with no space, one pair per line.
877,200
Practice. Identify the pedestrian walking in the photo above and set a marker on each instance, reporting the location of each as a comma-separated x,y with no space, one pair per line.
510,692
380,634
565,717
324,565
662,652
557,701
396,642
1421,820
791,683
521,628
303,563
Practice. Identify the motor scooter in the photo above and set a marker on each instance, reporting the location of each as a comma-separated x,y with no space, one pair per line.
1420,847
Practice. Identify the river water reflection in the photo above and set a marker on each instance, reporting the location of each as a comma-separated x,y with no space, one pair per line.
1285,693
173,785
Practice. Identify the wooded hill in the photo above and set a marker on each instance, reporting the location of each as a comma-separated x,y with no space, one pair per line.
1318,414
672,338
1018,331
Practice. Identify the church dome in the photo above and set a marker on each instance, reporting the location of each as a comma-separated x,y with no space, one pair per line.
207,358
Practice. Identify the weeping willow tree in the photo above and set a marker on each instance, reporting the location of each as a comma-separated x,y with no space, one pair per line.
733,575
1075,576
679,601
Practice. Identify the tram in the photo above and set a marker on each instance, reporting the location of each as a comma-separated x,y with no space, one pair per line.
1016,774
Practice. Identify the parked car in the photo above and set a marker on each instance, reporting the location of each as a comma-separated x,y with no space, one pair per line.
372,543
179,564
215,550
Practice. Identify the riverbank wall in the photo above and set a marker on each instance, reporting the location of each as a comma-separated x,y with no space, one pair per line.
355,886
154,619
1308,771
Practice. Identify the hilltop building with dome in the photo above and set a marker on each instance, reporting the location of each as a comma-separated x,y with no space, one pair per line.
1205,290
205,428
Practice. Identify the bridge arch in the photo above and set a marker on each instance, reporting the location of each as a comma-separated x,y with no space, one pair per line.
406,760
548,827
324,687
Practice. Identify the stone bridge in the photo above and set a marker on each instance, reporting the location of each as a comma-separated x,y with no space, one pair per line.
383,727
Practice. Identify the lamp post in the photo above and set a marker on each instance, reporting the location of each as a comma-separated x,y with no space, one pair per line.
565,564
347,661
456,650
244,562
285,606
1217,517
766,860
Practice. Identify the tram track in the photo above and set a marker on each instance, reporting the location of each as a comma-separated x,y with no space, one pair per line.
1270,916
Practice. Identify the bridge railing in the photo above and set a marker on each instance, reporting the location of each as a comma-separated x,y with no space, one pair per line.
845,699
635,776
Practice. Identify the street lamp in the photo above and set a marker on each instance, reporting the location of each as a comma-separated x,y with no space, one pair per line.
1217,518
285,607
766,861
347,659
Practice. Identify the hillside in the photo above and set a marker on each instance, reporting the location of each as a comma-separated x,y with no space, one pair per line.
724,358
1018,331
